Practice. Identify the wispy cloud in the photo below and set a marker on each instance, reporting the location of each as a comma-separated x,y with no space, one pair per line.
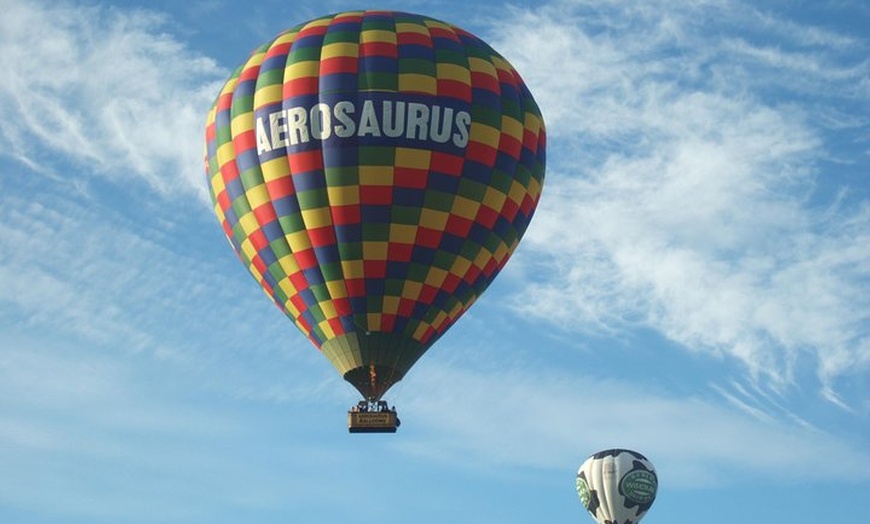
520,418
689,187
106,90
79,269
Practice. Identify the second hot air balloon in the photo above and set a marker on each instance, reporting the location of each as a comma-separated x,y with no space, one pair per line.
374,171
617,486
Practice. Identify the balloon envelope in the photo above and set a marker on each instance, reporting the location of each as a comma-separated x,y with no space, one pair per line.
617,486
374,171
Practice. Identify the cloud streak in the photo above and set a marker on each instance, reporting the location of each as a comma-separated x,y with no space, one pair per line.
74,267
523,418
106,90
691,192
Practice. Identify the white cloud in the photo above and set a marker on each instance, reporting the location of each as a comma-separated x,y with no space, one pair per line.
68,268
107,91
687,174
523,418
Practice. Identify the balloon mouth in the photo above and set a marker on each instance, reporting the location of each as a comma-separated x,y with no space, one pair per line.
372,361
374,380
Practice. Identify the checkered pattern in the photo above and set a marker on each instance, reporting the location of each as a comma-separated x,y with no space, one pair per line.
375,247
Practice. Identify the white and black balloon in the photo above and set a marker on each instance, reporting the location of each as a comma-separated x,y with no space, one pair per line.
617,486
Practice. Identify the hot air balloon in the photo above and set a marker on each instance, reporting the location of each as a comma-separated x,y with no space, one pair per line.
617,486
374,171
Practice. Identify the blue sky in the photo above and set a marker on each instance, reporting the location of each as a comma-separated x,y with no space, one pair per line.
694,284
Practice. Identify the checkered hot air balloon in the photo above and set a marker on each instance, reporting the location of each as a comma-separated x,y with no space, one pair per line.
617,486
374,171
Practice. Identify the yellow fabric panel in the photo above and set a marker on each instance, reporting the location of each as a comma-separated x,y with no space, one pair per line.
485,134
343,195
275,169
377,36
339,49
249,223
517,192
259,278
352,268
287,287
302,69
457,309
417,83
407,27
460,266
220,214
288,37
453,72
225,153
242,123
326,328
412,290
267,95
336,289
433,219
534,188
436,277
289,265
465,207
375,250
328,309
289,305
257,196
248,250
324,22
315,218
421,330
298,241
375,175
256,59
437,25
479,65
439,319
533,123
403,234
391,305
229,87
209,120
483,256
512,127
413,158
501,64
501,252
218,186
494,199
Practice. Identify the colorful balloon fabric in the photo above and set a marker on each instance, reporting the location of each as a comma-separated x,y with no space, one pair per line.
617,486
374,171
